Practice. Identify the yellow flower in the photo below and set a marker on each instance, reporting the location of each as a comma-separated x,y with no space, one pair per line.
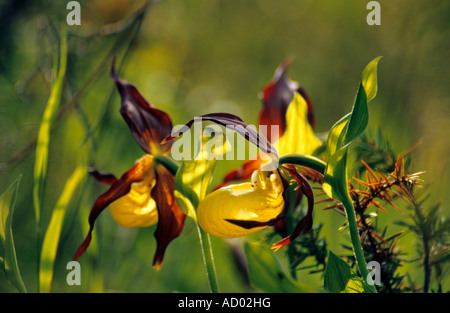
227,211
137,208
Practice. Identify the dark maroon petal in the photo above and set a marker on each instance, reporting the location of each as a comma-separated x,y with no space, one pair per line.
248,224
148,124
170,217
104,178
306,222
118,189
281,226
233,122
276,97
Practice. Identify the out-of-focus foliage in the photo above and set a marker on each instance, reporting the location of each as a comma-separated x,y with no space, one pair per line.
8,259
195,57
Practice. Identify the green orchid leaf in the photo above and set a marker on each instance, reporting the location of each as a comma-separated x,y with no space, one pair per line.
335,177
191,183
359,118
193,177
339,277
8,262
53,233
351,125
354,123
345,131
369,79
335,183
336,135
266,273
341,135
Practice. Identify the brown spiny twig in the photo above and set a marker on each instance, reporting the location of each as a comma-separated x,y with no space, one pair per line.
382,186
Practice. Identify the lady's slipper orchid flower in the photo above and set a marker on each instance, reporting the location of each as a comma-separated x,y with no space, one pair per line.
237,210
241,209
143,196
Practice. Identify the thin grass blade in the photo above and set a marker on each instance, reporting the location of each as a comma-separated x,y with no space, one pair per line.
43,139
53,233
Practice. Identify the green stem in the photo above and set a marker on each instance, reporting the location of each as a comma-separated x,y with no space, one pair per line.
203,237
320,166
208,259
356,243
168,163
304,160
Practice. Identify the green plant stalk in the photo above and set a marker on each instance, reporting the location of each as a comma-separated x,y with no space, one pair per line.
320,166
203,237
170,165
356,243
208,259
304,160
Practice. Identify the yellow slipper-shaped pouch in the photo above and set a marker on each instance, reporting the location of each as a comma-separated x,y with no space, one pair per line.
241,209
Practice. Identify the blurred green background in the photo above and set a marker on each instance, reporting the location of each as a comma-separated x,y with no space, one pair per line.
191,58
